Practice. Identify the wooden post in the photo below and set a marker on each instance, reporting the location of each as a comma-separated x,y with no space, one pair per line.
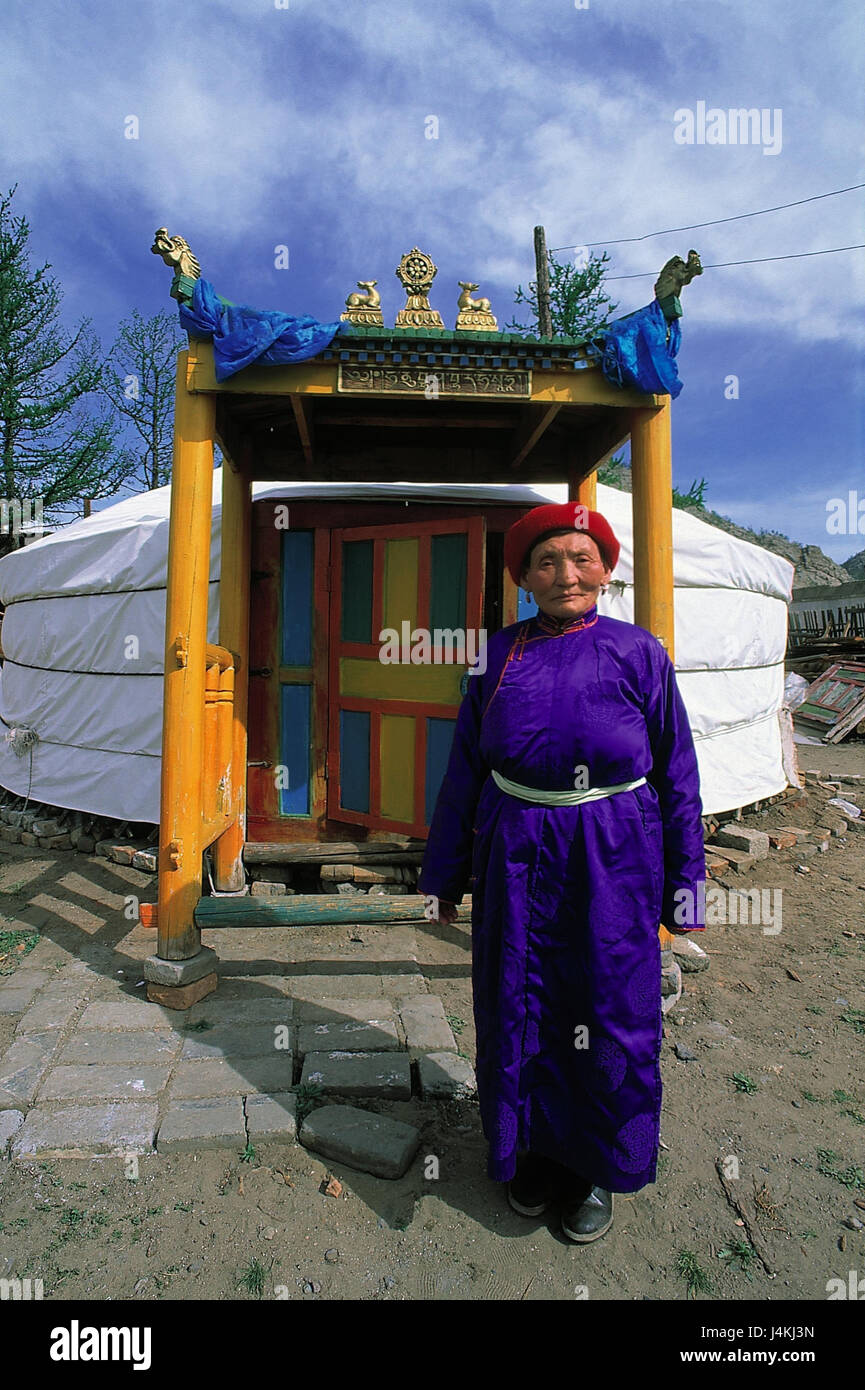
545,322
585,491
652,505
183,747
652,510
234,582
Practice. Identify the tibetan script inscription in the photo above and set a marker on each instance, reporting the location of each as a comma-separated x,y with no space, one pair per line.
433,382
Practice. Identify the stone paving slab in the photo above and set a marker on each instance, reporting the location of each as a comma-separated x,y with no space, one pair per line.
383,1074
445,1076
351,1035
24,1065
341,1010
49,1011
317,988
373,1143
210,1077
235,1040
120,1049
124,1127
103,1083
277,1009
271,1117
10,1122
426,1026
215,1123
252,986
132,1014
18,991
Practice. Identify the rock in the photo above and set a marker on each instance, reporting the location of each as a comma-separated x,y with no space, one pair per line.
146,859
331,1256
782,839
46,827
671,979
263,888
86,844
684,1053
375,1144
735,836
383,873
690,957
737,859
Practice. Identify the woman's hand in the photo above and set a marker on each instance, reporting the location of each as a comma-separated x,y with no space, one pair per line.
438,910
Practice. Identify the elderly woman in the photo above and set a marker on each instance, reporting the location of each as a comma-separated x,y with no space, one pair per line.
571,800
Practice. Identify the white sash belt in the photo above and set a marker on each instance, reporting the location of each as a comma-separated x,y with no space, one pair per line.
567,798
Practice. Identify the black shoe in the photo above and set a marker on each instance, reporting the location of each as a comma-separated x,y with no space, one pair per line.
587,1213
534,1186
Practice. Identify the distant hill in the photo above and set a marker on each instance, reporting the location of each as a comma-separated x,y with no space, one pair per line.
812,565
855,566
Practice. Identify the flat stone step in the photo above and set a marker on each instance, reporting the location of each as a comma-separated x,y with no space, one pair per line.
216,1123
122,1128
348,1035
386,1075
372,1143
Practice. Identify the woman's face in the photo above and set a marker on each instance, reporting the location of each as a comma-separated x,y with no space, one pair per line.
565,574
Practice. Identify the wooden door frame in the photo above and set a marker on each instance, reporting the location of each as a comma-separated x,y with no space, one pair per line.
264,821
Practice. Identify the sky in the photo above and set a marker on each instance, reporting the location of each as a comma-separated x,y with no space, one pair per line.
349,131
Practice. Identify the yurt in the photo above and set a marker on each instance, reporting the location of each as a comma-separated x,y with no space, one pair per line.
83,640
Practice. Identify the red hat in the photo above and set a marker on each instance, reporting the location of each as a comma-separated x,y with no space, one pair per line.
558,516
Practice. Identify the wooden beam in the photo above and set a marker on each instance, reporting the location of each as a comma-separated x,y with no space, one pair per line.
591,449
315,909
303,420
535,423
439,420
567,385
333,852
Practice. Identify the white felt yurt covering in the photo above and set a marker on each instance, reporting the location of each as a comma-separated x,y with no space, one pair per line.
83,642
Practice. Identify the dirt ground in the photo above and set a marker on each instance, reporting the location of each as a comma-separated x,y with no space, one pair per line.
784,1013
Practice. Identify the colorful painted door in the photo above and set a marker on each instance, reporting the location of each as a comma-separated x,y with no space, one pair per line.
406,610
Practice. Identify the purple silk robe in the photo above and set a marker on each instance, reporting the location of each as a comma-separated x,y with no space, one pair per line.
566,900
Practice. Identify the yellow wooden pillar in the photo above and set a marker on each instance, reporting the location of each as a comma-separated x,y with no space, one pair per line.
585,491
652,510
229,876
183,730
